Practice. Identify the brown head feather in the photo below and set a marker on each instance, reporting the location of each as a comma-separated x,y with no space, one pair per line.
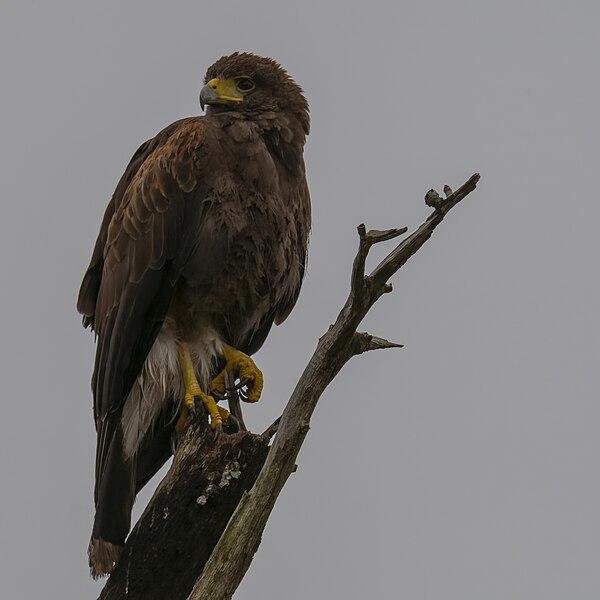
275,89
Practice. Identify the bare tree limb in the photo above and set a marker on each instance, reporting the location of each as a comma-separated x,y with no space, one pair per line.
236,547
394,261
367,240
367,342
271,430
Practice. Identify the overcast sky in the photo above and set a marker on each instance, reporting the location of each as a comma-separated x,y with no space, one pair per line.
479,477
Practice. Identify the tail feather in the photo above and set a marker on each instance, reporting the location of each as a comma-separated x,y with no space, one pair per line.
117,485
115,494
103,557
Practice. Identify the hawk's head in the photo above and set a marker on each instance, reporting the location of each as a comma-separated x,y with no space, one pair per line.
246,82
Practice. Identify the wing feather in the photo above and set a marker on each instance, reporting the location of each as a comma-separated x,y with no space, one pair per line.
139,253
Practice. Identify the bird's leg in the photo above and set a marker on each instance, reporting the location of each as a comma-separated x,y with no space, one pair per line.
238,366
193,391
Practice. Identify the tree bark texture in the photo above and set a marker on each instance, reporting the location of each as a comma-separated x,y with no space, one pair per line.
168,548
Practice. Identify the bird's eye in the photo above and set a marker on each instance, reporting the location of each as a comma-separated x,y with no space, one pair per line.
245,85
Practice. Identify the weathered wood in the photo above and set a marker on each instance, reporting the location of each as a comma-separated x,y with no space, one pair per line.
166,551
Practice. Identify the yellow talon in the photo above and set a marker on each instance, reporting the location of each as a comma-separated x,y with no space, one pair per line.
239,366
193,391
225,414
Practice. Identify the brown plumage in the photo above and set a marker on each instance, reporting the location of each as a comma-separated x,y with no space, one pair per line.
204,241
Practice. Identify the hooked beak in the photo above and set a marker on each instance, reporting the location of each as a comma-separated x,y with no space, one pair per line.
208,96
220,91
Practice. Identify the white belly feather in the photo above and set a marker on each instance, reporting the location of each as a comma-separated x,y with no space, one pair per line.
161,382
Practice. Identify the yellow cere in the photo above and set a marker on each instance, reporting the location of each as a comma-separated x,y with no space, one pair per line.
226,89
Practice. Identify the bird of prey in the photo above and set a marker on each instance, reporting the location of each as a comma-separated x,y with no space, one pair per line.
202,248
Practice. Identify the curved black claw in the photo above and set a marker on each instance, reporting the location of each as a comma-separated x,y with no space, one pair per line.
174,442
234,423
218,431
232,391
193,408
243,383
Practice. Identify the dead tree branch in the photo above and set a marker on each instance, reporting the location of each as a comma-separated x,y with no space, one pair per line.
235,549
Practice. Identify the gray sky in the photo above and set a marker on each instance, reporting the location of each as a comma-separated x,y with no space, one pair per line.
480,477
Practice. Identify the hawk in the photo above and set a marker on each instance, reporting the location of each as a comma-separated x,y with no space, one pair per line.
202,248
